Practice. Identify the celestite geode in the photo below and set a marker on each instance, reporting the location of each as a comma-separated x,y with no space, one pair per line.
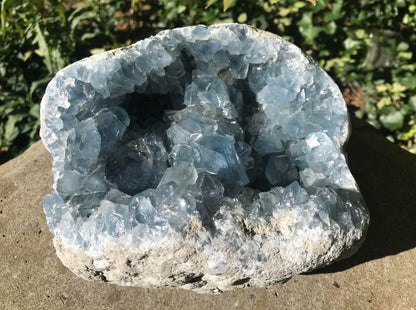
206,158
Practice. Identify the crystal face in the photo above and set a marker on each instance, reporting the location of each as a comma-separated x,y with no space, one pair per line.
220,144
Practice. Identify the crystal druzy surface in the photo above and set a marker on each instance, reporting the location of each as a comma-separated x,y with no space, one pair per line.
207,158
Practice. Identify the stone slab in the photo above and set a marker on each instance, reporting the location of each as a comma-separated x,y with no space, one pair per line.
382,275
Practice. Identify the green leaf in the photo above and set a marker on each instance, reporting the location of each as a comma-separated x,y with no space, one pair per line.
210,2
227,4
351,43
57,61
409,80
405,55
3,17
407,110
330,28
412,149
402,47
285,21
334,14
75,12
35,130
61,12
308,29
242,18
393,120
310,33
88,35
35,111
284,12
306,19
383,102
223,21
36,84
412,102
360,33
407,135
19,29
181,8
298,5
43,47
77,19
10,129
97,51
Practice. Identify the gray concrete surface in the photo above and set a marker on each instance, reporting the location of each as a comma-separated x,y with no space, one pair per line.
382,275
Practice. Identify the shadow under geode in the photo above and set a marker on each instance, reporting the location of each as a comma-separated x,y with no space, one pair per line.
386,175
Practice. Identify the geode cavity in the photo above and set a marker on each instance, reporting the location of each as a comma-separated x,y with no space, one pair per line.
207,158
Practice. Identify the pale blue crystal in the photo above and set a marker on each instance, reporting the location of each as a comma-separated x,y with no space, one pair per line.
182,176
144,210
205,49
221,59
238,66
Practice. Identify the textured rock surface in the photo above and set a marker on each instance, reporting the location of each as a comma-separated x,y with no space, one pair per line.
379,276
202,158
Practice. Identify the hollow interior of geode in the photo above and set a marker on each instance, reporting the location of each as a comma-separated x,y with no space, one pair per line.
209,121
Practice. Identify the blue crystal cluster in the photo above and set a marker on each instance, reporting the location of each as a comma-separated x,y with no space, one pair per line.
221,137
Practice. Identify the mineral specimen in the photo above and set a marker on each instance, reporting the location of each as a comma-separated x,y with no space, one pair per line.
206,158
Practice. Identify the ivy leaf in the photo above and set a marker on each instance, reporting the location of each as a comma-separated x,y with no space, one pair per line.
412,102
393,120
382,88
399,88
351,44
383,102
409,80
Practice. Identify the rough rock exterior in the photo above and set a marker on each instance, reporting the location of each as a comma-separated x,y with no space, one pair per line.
206,158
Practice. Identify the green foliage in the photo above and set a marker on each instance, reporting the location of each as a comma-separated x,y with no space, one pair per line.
367,46
38,38
27,61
